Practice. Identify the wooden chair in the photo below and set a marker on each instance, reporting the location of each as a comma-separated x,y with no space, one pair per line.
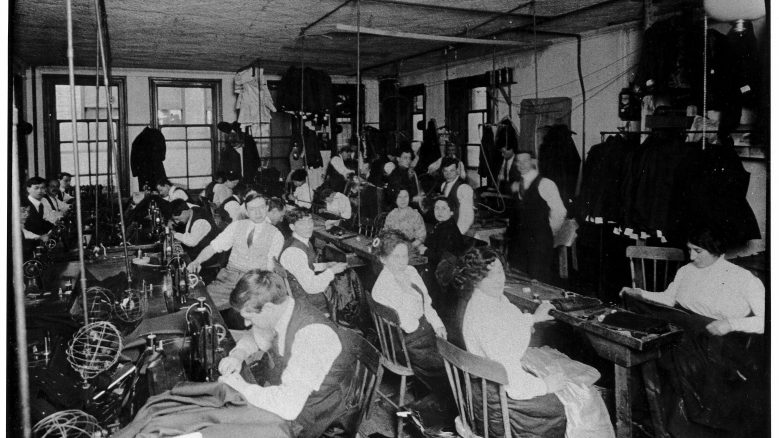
378,223
278,269
393,346
653,268
367,375
464,370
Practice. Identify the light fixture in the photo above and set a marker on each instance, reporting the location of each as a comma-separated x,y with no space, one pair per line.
730,10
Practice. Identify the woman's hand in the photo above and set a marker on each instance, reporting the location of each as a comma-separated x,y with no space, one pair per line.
440,331
720,327
542,312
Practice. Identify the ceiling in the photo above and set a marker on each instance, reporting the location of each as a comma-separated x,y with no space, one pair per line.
226,35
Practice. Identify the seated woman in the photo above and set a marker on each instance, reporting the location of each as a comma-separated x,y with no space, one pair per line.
400,287
715,288
445,236
494,328
406,220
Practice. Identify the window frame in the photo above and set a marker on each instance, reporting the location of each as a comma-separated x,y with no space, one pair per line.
51,124
216,113
485,119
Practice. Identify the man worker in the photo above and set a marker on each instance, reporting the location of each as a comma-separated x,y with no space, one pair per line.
337,173
402,177
302,194
458,191
309,384
253,243
36,225
65,187
198,227
308,280
538,214
53,206
169,192
508,171
224,190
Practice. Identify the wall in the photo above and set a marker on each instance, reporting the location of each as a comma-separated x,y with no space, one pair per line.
139,106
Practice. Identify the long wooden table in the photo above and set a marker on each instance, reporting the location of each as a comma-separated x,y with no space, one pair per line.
624,349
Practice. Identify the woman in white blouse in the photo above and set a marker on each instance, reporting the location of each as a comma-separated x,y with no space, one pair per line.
715,288
400,287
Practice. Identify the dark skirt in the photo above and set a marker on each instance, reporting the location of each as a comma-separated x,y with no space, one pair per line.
427,364
538,417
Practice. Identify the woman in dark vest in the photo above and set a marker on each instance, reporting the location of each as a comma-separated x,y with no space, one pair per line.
313,361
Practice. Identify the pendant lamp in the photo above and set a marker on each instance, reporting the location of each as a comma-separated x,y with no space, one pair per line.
732,10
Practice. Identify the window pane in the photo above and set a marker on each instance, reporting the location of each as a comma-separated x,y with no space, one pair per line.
99,155
195,104
176,159
199,183
66,158
416,134
474,131
199,132
479,98
83,158
419,103
179,181
174,133
473,156
199,157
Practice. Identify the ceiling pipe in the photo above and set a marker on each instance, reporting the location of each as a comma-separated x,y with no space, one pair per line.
320,19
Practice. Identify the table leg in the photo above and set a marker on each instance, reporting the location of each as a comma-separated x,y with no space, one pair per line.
623,402
652,385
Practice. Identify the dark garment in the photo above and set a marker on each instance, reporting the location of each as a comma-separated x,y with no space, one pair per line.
430,149
230,160
506,136
530,236
318,300
200,213
427,364
445,237
559,161
309,142
334,180
35,222
491,158
213,409
400,179
452,195
721,380
377,176
538,417
147,156
327,404
209,191
602,178
251,158
315,86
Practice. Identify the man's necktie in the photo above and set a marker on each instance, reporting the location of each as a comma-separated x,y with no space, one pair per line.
521,187
250,239
40,208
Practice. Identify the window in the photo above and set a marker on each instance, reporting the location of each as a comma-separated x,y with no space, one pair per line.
477,116
185,112
417,116
91,127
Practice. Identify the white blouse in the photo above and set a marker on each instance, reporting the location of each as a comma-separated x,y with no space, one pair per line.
405,300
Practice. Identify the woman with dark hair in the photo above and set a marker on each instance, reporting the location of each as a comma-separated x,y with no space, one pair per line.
713,287
539,394
400,287
406,220
445,237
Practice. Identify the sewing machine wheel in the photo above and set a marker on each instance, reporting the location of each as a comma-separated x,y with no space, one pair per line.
32,268
51,243
176,263
71,424
221,332
132,306
193,279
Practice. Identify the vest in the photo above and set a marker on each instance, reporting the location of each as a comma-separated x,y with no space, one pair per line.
199,213
533,219
292,242
243,258
54,207
453,196
35,222
325,405
318,300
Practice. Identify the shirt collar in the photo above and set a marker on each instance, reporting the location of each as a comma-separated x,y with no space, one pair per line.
282,325
34,201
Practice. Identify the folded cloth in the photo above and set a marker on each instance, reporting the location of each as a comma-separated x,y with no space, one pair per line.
213,409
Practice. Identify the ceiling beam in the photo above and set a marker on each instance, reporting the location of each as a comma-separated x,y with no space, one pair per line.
424,37
453,8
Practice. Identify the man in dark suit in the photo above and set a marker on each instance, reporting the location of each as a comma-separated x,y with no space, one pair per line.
508,171
35,224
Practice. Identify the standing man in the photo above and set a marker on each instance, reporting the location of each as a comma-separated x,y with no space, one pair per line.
459,193
537,216
337,173
508,170
224,190
253,242
308,280
314,363
37,226
65,187
199,228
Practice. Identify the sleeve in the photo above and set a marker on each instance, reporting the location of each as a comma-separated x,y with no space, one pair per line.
221,193
224,240
430,314
199,230
385,291
180,194
754,292
465,216
391,223
29,234
277,244
420,232
235,210
303,197
506,344
668,297
294,260
339,166
244,347
548,190
434,166
313,352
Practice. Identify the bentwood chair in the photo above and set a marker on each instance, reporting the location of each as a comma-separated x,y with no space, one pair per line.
653,268
368,371
278,269
465,370
393,346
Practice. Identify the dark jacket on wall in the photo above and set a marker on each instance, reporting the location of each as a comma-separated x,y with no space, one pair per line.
559,161
430,150
602,178
490,159
317,91
312,144
147,156
251,158
230,160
